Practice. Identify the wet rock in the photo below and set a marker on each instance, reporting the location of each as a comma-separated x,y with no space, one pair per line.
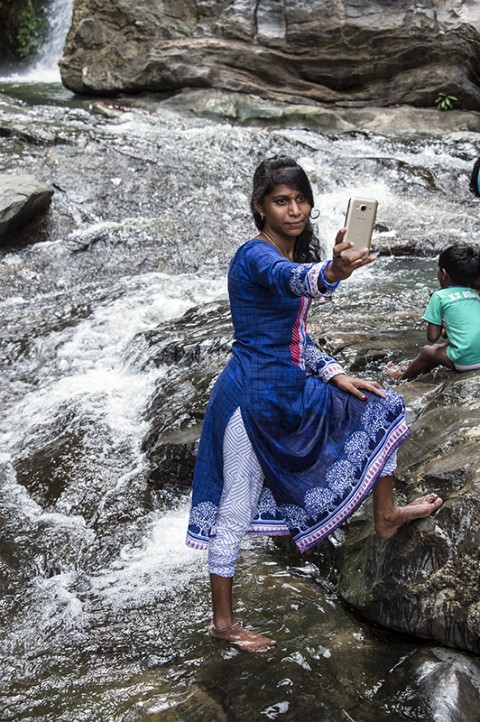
447,685
22,197
425,581
248,109
348,53
195,349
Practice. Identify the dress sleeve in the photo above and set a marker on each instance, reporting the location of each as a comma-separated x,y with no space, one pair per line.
319,363
268,268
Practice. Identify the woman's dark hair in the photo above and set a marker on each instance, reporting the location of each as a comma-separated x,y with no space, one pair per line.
281,169
462,263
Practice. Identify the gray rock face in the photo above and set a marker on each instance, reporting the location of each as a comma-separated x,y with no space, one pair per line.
425,580
22,197
353,53
195,350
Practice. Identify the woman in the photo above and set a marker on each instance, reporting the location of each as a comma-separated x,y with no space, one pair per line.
291,444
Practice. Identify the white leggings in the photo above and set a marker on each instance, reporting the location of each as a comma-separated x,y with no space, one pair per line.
242,486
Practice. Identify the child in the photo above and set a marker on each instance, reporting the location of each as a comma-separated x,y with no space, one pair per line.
453,312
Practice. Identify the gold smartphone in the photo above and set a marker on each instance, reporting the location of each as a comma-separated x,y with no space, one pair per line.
359,221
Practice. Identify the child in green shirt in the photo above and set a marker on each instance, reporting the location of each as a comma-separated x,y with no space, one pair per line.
454,312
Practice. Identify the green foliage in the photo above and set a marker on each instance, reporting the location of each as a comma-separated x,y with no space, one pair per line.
445,101
31,31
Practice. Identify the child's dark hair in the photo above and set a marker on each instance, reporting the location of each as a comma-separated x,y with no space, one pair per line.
276,171
462,263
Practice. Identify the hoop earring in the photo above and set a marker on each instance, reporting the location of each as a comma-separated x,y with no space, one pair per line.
314,214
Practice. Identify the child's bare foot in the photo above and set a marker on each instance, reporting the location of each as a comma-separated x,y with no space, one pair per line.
395,372
242,638
420,508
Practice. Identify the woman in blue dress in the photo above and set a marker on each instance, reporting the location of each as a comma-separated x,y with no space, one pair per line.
291,444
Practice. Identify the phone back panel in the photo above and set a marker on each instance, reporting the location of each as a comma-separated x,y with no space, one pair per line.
360,220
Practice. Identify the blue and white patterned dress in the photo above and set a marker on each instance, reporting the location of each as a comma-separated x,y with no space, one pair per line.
321,449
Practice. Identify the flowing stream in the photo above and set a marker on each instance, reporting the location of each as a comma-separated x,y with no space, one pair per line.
104,610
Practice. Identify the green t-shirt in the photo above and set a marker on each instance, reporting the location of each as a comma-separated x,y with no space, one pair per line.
457,309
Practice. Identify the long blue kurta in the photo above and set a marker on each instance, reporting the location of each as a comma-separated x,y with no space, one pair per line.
321,449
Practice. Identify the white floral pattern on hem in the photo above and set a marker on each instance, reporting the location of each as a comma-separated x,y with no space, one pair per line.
339,499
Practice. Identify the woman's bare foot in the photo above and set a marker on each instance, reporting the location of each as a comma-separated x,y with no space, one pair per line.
242,638
388,525
395,372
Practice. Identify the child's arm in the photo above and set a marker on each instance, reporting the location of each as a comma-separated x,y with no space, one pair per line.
434,332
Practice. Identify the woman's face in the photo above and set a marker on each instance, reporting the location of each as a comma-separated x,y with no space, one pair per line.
286,211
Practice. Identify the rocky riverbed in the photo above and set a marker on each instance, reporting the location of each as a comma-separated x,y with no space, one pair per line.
114,326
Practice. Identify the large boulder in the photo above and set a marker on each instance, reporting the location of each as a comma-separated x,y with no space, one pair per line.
425,581
353,53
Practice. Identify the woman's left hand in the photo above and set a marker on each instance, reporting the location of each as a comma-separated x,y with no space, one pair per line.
353,385
342,267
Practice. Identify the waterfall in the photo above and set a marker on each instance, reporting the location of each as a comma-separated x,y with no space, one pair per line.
59,18
44,68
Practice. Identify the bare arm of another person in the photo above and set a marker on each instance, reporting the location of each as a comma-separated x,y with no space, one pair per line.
434,332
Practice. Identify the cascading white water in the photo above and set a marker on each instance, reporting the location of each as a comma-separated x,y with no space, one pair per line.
44,68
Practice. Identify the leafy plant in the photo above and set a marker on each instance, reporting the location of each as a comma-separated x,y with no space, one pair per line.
445,101
31,32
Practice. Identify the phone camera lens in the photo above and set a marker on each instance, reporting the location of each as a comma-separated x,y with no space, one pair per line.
363,208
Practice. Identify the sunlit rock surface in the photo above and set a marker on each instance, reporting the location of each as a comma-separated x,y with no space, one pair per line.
352,52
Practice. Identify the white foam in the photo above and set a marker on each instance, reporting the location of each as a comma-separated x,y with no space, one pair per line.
163,564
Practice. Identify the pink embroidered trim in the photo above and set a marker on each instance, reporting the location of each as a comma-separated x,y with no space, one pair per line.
329,371
194,544
299,334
